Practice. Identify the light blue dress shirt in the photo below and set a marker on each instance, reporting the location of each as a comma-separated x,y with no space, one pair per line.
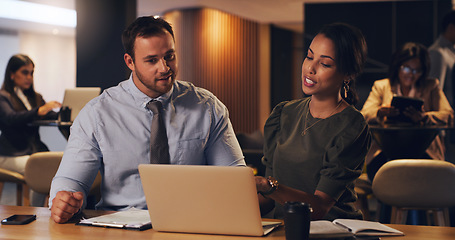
112,134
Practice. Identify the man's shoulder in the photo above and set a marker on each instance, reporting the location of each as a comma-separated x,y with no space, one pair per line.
112,92
121,87
189,90
441,44
435,50
188,86
435,46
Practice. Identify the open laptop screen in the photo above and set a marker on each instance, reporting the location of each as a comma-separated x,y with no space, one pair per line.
202,199
76,98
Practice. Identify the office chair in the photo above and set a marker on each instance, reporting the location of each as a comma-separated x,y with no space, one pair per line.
420,184
22,196
41,168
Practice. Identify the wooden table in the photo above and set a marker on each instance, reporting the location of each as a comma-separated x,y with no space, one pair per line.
45,228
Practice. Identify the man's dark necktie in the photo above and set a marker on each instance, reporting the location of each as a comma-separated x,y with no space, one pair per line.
159,147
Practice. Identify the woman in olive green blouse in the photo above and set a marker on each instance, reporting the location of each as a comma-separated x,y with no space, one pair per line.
315,147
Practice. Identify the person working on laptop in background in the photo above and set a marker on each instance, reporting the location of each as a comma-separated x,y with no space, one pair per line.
20,105
315,147
117,131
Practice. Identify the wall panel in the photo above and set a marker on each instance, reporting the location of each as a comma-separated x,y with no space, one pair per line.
219,52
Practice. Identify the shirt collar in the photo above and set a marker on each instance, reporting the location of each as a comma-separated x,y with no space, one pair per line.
142,99
20,94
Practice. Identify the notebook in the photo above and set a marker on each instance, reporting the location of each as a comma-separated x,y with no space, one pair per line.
203,199
76,98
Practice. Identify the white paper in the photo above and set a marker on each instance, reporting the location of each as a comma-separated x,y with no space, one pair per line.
132,218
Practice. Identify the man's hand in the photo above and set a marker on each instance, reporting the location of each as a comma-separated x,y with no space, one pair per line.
65,205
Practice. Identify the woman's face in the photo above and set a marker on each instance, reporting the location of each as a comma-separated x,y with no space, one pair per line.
23,77
320,76
410,71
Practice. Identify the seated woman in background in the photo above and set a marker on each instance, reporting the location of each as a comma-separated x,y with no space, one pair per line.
315,147
408,76
20,105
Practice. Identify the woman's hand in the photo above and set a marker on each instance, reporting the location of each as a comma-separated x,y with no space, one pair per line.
415,115
265,204
319,201
262,184
388,112
46,108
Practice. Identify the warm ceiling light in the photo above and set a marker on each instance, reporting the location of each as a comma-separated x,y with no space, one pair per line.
40,13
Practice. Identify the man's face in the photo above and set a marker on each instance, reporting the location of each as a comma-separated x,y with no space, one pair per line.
155,64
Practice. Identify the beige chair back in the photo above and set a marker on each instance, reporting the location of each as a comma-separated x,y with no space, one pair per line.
10,176
40,169
418,183
423,184
19,180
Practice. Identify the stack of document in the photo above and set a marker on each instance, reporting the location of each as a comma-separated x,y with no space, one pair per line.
132,218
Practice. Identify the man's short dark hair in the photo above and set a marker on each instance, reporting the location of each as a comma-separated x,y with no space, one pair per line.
144,27
449,18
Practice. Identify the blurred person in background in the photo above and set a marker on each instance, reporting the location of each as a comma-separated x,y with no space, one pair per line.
408,77
20,105
442,55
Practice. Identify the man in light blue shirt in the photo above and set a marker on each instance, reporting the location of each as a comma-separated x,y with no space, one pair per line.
112,133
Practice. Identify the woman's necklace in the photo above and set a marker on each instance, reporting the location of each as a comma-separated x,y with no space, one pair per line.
305,129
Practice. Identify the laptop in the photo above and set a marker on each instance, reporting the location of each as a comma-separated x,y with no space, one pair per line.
203,199
76,98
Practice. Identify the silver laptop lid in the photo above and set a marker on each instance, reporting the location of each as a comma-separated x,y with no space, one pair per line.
76,98
202,199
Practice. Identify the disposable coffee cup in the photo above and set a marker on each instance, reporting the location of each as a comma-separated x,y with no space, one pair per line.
65,114
297,216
